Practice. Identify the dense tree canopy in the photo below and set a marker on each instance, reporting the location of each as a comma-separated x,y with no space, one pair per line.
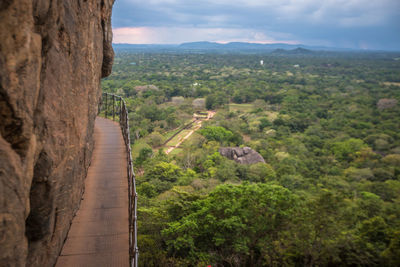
328,129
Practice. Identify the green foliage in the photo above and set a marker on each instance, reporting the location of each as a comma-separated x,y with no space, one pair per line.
216,133
155,139
233,220
371,204
187,177
225,171
264,122
329,192
216,100
144,154
391,254
147,189
164,171
261,172
346,150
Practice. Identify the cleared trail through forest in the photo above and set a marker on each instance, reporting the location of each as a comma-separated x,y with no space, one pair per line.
99,234
197,125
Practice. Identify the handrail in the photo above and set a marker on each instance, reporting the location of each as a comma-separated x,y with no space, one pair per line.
112,110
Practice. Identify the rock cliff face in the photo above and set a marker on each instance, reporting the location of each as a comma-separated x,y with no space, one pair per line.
244,155
52,56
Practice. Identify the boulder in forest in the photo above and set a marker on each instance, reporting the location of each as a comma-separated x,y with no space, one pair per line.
242,155
386,103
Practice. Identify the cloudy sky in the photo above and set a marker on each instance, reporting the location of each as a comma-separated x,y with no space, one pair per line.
365,24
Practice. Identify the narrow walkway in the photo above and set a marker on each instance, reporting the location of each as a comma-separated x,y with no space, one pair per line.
99,232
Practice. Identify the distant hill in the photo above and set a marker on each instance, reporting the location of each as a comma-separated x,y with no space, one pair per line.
143,46
253,46
241,47
201,45
297,51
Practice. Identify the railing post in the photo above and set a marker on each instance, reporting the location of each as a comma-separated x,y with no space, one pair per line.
106,107
113,107
100,105
120,109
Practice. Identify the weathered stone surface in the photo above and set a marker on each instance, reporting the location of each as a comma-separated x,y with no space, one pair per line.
52,56
243,155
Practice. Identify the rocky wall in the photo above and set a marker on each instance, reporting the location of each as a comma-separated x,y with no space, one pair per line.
53,54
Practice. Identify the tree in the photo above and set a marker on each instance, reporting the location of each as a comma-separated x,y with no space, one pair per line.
261,172
370,204
144,154
346,150
216,133
374,237
210,102
391,255
234,225
155,139
164,171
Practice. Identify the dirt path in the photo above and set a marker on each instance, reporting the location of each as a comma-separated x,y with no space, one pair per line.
197,126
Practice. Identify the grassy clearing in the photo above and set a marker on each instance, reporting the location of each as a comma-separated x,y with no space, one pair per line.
174,141
176,151
201,116
171,133
241,107
137,146
272,115
391,83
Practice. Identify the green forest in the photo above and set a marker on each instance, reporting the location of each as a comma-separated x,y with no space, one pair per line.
327,125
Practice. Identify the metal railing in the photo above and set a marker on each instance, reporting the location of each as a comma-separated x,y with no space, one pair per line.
112,106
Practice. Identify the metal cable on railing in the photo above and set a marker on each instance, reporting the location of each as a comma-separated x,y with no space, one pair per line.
112,110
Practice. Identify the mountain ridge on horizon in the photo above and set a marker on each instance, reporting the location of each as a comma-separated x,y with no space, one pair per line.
240,46
206,45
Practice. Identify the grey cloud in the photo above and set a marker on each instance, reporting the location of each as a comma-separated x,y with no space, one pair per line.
306,20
